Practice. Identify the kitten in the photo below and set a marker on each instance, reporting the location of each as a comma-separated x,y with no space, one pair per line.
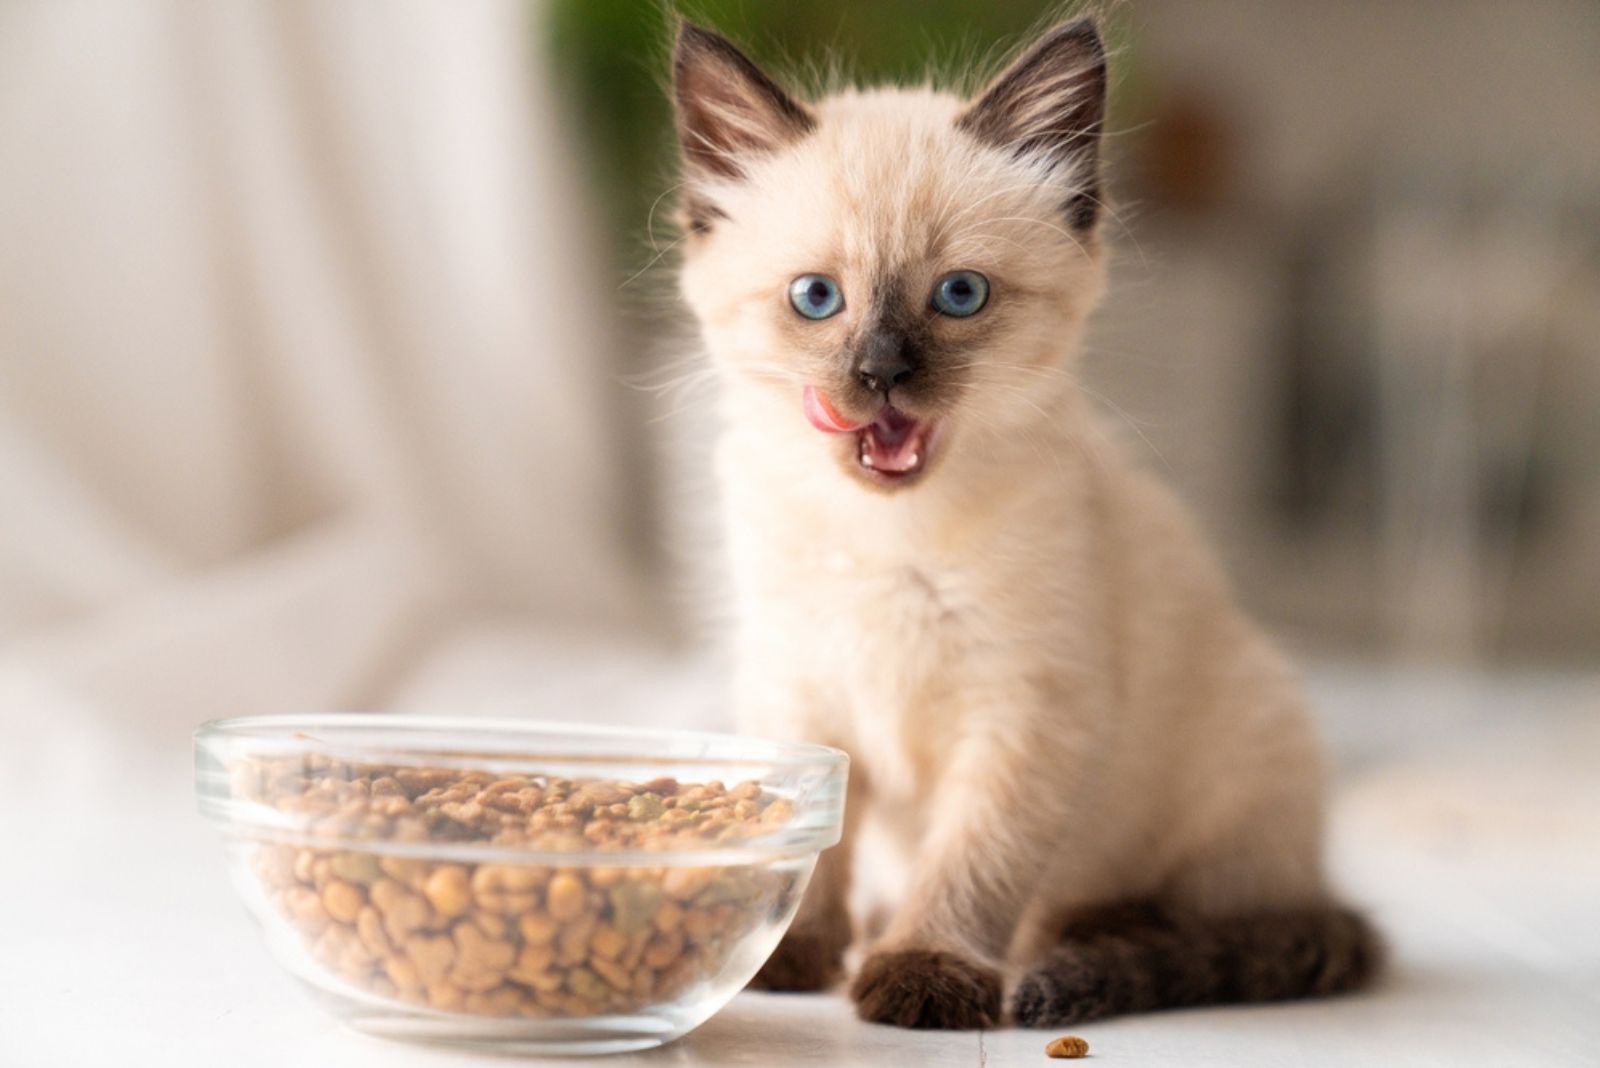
1104,774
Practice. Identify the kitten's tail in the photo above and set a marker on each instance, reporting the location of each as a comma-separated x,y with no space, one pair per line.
1137,958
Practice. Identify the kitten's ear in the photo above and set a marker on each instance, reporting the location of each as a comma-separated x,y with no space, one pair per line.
1051,102
727,108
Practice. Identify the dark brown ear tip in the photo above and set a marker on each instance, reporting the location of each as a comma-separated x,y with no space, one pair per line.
1080,36
695,39
726,105
691,34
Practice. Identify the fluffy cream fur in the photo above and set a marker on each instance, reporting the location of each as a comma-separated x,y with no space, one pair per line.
1047,690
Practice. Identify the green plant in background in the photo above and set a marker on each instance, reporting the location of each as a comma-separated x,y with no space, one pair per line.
612,56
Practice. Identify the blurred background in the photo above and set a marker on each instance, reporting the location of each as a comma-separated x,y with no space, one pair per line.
331,336
340,369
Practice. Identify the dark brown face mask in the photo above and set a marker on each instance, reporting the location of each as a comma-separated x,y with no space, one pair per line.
890,350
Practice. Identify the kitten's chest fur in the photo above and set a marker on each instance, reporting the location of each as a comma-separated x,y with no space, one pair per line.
882,622
899,640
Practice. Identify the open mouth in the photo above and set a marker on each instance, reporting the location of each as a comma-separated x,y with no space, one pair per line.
893,445
890,447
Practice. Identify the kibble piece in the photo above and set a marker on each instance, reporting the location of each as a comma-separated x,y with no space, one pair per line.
636,946
506,889
604,878
342,900
585,984
611,972
669,917
537,928
447,998
685,883
1067,1046
481,962
501,1001
700,924
642,808
403,911
634,904
359,868
664,949
405,871
433,955
448,890
306,907
572,944
532,963
402,973
607,942
492,924
565,897
369,926
644,982
598,794
542,982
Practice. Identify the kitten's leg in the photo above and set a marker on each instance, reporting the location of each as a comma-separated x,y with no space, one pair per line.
811,955
999,810
1139,958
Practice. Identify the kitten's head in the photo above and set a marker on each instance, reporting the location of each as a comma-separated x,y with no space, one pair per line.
905,269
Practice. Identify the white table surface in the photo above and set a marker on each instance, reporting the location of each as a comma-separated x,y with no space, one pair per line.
1478,851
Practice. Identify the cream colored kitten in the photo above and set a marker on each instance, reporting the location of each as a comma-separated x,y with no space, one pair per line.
1104,773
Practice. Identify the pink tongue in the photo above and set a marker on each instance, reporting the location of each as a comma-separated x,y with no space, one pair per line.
822,415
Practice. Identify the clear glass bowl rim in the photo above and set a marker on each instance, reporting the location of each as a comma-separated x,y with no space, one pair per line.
536,747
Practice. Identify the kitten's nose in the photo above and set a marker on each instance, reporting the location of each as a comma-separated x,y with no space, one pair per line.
882,371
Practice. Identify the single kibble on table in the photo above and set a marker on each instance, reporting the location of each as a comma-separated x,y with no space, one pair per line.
1067,1046
514,939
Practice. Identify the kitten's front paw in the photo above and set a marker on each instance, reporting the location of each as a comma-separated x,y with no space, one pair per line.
927,989
804,962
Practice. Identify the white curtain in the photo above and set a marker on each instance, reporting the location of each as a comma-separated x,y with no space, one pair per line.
301,356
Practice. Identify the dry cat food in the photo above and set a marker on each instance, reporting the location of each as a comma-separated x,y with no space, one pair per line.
1067,1046
512,939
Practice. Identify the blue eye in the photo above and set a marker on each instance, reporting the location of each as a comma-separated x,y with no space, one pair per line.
816,296
961,293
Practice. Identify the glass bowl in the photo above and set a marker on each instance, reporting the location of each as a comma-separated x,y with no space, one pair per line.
529,887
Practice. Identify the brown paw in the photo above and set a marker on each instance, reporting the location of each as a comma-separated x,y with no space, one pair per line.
804,962
927,989
1065,990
